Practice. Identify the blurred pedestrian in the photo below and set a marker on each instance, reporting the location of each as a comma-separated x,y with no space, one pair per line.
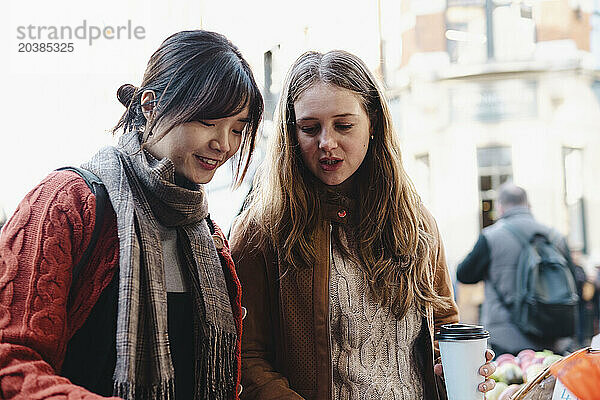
156,312
494,260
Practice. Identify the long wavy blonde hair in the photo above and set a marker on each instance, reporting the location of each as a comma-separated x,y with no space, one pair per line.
392,240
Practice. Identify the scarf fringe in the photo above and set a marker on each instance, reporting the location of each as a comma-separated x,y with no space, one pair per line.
217,368
128,391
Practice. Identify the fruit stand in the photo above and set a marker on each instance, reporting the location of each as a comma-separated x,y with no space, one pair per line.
515,371
533,376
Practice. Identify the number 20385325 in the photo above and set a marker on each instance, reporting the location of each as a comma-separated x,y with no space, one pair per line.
35,47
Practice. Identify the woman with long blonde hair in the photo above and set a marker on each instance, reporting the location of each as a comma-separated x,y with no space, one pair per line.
343,269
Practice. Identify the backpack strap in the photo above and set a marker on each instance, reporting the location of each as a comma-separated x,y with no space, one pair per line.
555,238
516,233
98,189
211,224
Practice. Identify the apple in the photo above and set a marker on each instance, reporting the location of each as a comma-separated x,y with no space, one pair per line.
506,357
543,354
551,359
533,371
496,391
526,353
535,360
508,373
525,356
500,374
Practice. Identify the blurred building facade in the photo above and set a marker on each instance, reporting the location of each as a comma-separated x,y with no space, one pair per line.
482,91
494,90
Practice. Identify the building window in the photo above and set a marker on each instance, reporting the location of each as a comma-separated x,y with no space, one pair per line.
573,184
466,32
494,168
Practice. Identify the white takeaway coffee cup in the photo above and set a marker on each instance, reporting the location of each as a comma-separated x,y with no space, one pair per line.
462,348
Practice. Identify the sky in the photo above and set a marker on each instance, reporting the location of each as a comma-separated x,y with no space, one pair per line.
58,108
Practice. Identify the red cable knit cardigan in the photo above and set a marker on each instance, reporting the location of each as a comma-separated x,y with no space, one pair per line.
39,245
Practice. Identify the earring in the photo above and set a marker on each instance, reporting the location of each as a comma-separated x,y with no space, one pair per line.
372,137
149,105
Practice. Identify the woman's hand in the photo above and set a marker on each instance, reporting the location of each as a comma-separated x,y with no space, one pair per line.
486,370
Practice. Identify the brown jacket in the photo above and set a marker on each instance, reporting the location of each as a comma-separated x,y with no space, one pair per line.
286,348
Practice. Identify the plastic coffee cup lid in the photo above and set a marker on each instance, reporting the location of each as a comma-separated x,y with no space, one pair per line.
461,332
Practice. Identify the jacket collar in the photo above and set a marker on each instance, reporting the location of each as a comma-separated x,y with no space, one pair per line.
339,202
518,210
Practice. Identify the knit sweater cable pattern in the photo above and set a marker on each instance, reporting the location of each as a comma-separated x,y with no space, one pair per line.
372,351
46,236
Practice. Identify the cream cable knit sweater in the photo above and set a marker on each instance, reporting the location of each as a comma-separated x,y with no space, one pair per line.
372,351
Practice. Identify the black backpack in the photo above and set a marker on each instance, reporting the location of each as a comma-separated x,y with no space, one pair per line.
545,304
97,187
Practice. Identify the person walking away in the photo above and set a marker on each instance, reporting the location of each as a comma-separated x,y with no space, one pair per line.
495,259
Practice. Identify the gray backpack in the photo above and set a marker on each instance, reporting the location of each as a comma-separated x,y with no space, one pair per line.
546,297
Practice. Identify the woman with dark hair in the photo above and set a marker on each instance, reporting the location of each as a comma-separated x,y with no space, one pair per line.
343,268
156,312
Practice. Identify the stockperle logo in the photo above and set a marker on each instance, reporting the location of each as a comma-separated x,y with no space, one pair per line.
85,31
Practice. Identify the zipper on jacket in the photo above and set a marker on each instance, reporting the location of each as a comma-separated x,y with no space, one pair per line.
330,340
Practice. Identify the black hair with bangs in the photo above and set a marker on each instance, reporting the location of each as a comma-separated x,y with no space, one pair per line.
195,75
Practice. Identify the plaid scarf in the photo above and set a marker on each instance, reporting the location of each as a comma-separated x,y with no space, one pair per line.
142,191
